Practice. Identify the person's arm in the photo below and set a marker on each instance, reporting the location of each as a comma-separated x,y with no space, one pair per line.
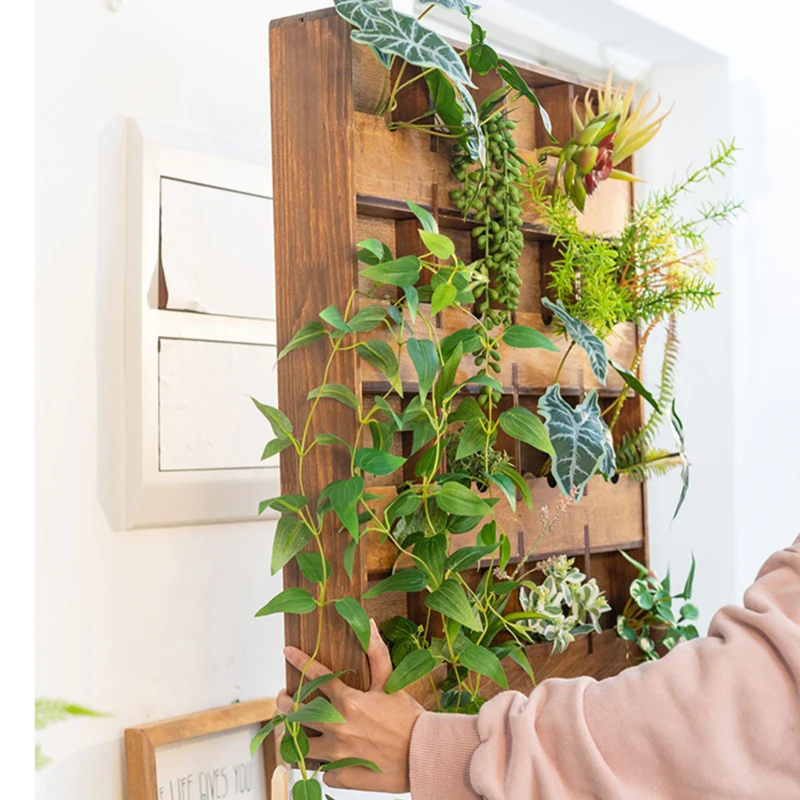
719,717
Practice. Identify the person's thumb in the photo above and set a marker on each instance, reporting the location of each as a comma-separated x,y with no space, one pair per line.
380,662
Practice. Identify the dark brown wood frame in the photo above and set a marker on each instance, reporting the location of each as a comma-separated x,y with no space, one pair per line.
340,174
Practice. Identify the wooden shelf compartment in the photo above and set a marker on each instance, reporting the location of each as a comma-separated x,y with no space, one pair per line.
324,88
534,368
395,166
609,517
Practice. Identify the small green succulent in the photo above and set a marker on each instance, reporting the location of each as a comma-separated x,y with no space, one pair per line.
649,620
566,605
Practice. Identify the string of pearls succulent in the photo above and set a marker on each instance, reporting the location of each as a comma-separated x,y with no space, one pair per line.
493,195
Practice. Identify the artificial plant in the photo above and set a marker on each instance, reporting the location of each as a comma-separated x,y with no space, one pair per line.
459,474
48,712
649,620
485,154
656,269
467,628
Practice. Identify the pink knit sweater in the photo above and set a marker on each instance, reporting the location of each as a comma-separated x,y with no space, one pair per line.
718,718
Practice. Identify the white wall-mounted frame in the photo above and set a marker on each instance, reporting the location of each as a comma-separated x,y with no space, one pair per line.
166,498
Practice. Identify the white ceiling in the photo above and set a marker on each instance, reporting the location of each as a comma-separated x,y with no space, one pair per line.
584,36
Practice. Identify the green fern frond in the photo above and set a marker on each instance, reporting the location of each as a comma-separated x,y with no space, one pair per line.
49,711
636,449
41,759
652,464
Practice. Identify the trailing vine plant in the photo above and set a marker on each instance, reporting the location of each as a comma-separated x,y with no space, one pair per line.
467,628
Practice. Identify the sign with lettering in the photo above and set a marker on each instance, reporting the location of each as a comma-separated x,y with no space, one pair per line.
202,756
216,767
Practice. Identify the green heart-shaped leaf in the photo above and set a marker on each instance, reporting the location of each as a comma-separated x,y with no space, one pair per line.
353,613
414,666
478,659
406,580
377,462
457,499
291,536
289,601
523,336
449,599
307,334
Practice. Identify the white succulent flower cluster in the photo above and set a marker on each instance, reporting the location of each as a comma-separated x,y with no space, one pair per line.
566,604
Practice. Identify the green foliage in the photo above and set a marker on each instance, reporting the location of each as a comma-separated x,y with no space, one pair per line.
580,439
638,455
493,193
657,266
526,337
353,613
48,712
306,335
634,383
291,536
649,620
341,763
519,423
459,478
289,601
564,605
306,790
581,334
459,475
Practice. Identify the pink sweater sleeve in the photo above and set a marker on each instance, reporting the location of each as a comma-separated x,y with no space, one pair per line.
718,717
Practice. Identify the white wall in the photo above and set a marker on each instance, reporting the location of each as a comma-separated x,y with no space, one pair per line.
143,624
150,624
763,276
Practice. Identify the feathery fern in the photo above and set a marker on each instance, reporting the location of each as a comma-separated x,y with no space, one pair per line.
657,266
49,711
636,455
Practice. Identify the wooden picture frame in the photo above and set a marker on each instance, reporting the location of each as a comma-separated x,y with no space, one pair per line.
142,741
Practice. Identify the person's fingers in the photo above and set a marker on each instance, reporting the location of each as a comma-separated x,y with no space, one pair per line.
358,778
334,688
322,748
380,662
284,702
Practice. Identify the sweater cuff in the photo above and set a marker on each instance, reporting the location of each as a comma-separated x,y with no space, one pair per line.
442,746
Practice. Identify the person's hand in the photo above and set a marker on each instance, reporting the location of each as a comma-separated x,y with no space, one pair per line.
378,726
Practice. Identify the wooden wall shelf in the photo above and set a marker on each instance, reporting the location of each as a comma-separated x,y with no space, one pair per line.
340,175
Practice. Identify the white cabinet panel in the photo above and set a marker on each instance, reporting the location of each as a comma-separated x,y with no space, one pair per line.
206,418
217,250
202,209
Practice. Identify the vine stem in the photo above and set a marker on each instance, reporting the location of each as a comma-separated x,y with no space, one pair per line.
563,360
620,402
379,108
315,529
